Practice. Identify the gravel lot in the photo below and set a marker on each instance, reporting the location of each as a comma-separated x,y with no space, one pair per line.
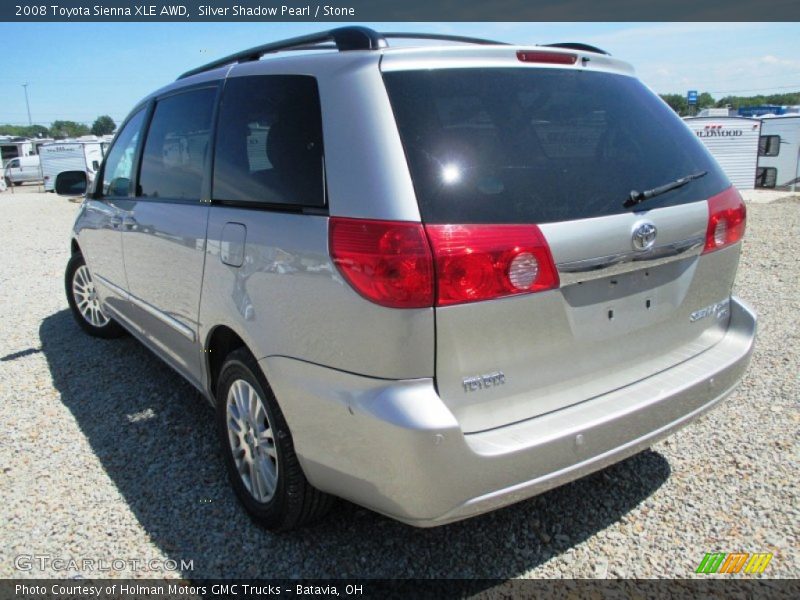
105,453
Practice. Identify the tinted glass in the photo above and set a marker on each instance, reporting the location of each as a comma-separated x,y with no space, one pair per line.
177,145
8,152
522,145
269,145
766,177
119,162
769,145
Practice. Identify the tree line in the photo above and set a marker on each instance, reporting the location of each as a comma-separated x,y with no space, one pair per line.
103,125
680,105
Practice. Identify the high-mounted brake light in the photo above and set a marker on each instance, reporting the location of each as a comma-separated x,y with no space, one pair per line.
554,58
387,262
481,262
727,217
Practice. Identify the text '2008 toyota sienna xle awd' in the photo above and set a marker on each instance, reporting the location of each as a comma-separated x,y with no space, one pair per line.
432,280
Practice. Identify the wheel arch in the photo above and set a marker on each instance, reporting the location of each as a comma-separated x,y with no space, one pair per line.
220,342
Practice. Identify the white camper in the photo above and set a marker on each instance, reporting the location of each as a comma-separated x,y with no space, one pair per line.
14,147
71,155
779,153
733,142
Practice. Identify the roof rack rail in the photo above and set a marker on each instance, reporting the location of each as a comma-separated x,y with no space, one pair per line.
579,46
442,37
341,38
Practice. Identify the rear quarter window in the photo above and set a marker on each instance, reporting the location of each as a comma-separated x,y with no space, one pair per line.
521,145
269,143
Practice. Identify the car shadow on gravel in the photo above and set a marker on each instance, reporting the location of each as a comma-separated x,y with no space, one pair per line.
153,434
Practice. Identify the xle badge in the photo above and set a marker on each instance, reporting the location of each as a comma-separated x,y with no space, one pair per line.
481,382
720,310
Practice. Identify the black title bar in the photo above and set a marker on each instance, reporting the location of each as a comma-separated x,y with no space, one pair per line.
368,589
397,10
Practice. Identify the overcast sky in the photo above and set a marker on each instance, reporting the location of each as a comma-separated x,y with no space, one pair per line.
77,71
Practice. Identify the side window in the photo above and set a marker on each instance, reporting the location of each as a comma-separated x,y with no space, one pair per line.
766,177
119,162
176,146
769,145
269,142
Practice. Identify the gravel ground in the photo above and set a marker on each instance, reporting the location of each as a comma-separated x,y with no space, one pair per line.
105,453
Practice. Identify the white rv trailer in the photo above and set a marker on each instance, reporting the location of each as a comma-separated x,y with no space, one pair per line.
70,155
733,142
14,147
779,153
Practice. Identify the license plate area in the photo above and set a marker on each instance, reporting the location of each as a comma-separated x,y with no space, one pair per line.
616,305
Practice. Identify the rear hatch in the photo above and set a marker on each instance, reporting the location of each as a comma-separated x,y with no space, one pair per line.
558,149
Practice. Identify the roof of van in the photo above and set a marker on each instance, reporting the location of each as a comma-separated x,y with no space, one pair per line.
345,40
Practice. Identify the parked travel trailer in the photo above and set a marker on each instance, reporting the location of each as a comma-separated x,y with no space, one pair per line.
716,112
733,142
14,147
779,153
81,155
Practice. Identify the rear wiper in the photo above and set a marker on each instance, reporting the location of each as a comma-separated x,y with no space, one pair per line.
638,197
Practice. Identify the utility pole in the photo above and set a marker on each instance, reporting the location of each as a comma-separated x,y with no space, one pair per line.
27,104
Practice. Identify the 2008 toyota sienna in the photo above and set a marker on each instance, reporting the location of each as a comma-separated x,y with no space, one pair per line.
433,280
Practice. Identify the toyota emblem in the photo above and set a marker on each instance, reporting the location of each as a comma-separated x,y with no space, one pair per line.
644,236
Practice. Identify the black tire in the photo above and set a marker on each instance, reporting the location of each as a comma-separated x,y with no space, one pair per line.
17,183
111,329
294,501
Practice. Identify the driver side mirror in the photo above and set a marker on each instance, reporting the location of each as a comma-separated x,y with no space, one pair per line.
71,183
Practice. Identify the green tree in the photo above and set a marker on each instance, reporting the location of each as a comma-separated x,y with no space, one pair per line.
68,129
24,130
791,98
677,102
103,125
705,100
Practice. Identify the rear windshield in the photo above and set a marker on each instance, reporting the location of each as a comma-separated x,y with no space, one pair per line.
523,145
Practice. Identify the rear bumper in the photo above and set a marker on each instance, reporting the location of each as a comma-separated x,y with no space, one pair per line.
394,447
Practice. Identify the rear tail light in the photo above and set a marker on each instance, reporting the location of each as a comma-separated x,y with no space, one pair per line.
481,262
393,264
387,262
553,58
727,217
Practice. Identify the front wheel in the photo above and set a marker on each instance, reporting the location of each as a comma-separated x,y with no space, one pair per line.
83,301
258,449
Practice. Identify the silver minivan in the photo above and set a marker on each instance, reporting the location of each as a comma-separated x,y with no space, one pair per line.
432,280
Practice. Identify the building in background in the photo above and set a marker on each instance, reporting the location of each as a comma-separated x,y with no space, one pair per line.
768,109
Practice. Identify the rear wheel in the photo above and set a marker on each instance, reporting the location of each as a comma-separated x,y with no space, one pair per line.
258,449
84,303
